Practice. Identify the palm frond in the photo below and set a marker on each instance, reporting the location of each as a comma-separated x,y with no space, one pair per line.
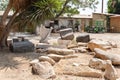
37,13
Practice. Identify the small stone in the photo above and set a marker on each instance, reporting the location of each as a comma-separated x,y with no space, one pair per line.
55,57
114,45
80,49
41,50
97,64
107,47
76,64
34,61
46,58
44,70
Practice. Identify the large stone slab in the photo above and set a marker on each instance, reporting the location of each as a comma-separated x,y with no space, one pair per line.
67,34
60,51
66,67
92,46
97,63
110,72
21,47
46,46
100,42
83,38
115,58
57,58
104,43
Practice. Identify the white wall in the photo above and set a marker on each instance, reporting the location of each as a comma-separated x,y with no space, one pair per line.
63,22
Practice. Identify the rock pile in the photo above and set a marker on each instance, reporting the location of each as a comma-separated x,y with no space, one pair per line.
101,63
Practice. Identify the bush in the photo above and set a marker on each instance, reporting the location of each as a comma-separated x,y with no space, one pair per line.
95,29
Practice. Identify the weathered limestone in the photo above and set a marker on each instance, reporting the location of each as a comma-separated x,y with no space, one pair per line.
97,63
63,42
114,45
105,44
46,46
81,49
22,46
92,46
83,38
67,34
69,46
115,58
82,44
43,69
107,47
60,51
41,50
57,58
43,46
34,61
69,67
100,42
70,56
110,72
46,58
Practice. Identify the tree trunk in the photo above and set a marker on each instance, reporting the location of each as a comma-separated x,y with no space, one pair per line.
5,15
6,31
3,25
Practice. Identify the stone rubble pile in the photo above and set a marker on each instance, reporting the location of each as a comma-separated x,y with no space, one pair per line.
103,60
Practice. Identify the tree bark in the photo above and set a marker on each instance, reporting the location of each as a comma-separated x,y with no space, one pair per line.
3,24
5,15
6,31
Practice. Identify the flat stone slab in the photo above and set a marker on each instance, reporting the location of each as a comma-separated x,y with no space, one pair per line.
67,67
104,55
67,34
21,47
83,38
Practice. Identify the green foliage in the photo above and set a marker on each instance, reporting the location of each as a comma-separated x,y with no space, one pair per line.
43,10
114,6
95,29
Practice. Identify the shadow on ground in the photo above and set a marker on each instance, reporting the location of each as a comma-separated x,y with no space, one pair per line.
11,61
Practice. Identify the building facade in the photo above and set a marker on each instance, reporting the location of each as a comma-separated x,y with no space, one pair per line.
115,24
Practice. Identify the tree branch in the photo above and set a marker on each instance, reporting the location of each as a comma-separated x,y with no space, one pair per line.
5,14
62,10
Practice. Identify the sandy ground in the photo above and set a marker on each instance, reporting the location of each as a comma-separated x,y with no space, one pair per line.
15,66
